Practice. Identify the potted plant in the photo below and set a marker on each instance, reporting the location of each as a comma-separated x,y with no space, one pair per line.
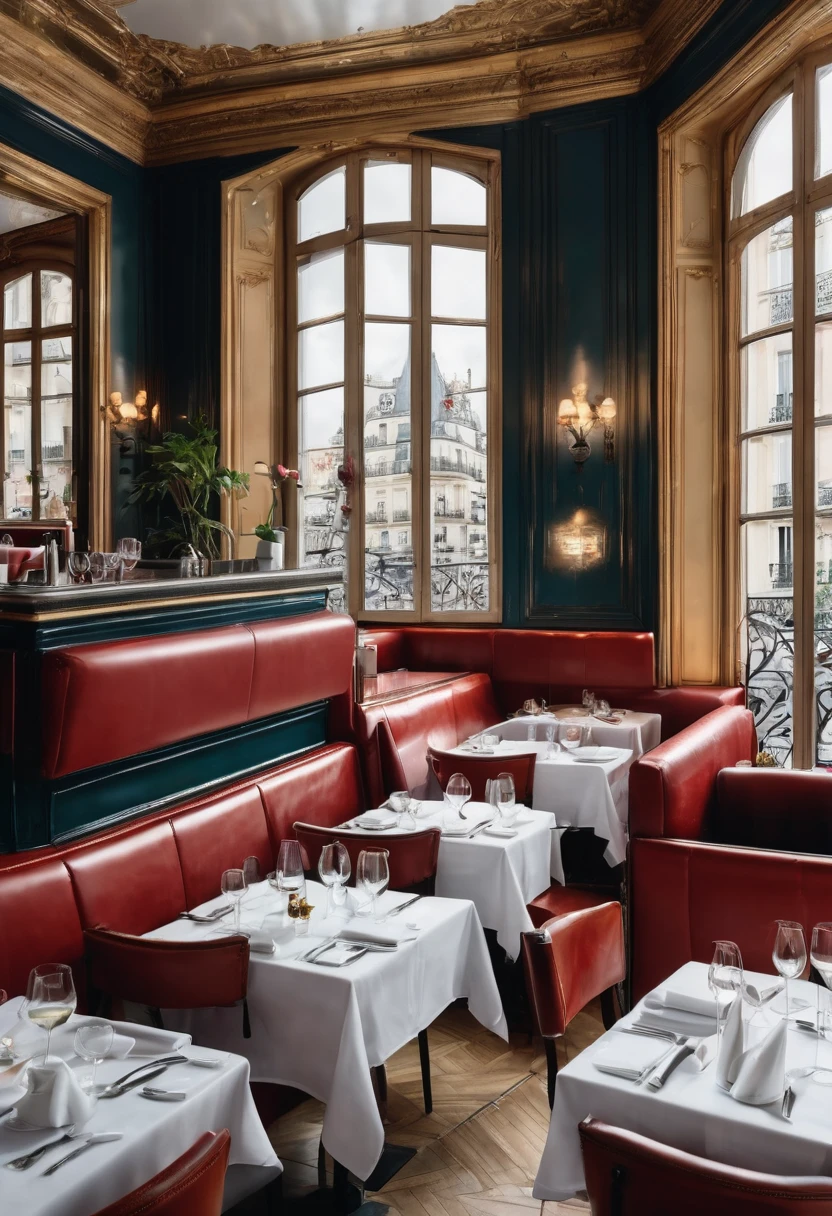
184,468
271,535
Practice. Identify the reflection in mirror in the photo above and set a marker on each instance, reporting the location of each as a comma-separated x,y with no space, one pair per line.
764,168
767,296
322,207
386,279
456,198
386,192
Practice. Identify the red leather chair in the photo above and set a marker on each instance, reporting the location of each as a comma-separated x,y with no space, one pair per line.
412,859
191,1186
169,975
568,961
478,770
768,808
630,1175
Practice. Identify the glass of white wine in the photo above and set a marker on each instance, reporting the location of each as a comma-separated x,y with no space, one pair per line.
50,998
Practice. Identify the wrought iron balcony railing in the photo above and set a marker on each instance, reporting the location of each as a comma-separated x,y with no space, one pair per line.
781,574
781,411
781,494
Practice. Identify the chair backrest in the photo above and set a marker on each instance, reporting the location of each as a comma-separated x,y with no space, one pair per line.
569,961
629,1175
768,808
478,770
192,1185
412,859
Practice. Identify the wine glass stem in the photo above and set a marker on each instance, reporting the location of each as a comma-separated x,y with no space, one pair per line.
94,1066
329,897
48,1044
787,997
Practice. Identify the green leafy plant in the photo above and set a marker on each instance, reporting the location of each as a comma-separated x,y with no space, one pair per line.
184,469
265,532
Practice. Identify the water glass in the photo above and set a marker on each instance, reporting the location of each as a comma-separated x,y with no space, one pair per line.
233,886
373,877
572,737
130,551
290,876
93,1042
457,793
531,733
405,807
724,974
501,795
50,998
789,955
550,739
78,565
98,568
821,959
334,870
490,742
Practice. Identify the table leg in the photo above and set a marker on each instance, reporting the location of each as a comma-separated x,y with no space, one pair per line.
424,1059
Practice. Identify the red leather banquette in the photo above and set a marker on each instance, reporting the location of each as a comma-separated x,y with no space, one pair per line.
506,666
703,841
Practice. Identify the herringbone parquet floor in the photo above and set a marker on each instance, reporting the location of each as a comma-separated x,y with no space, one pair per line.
478,1151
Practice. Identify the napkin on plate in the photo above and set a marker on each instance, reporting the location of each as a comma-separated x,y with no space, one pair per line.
630,1053
54,1098
376,819
380,935
731,1045
761,1071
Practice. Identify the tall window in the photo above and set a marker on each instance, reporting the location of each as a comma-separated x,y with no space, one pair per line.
393,361
781,256
38,338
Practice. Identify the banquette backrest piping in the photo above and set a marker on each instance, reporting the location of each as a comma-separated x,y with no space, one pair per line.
138,876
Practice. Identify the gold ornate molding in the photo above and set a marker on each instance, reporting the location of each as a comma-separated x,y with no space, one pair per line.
492,61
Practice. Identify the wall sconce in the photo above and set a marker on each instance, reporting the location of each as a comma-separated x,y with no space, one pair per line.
130,413
578,543
579,417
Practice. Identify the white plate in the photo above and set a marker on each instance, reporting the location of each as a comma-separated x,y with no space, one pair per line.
597,755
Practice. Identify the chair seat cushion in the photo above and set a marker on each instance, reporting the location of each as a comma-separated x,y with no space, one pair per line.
559,901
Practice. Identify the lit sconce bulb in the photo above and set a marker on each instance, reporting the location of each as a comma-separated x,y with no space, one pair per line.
567,410
606,410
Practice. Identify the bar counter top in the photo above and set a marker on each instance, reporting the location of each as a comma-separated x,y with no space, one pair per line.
144,589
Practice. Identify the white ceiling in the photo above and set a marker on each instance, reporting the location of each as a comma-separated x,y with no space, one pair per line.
278,22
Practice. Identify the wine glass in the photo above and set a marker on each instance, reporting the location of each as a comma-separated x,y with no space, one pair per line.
92,1043
78,564
373,876
234,887
458,792
98,569
251,869
290,877
588,701
572,737
552,746
130,550
404,806
113,565
50,998
334,869
503,797
531,733
821,958
724,973
789,953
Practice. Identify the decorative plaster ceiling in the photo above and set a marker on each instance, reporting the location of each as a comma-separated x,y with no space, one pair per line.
18,213
251,23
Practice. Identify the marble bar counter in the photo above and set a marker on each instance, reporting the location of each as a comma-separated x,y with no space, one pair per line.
118,698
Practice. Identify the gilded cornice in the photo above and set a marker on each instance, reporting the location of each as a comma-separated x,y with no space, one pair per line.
492,61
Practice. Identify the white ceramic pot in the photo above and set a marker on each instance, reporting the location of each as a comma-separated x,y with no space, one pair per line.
270,553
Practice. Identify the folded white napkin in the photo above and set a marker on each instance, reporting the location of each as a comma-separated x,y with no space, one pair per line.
54,1098
731,1045
380,935
705,1052
629,1053
761,1071
498,831
130,1039
376,819
687,991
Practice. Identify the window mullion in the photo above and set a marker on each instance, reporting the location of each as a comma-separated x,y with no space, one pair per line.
37,429
353,397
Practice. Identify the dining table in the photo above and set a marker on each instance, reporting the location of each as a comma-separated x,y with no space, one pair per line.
579,793
500,873
690,1111
153,1133
321,1028
633,729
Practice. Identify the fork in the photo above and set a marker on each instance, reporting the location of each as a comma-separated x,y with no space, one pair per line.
29,1159
650,1032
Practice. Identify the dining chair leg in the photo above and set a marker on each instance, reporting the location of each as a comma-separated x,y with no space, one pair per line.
551,1068
608,1014
424,1059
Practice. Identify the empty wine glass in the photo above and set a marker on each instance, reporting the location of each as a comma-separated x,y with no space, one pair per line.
78,564
130,551
113,565
50,998
759,998
93,1042
501,795
334,869
821,958
251,869
290,876
405,807
98,568
531,733
552,746
373,876
789,954
572,737
458,792
234,887
724,974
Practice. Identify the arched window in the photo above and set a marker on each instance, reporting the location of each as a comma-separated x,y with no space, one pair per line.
39,351
780,252
393,360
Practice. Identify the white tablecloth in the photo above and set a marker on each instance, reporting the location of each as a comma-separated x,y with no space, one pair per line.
580,795
155,1134
691,1113
500,875
640,732
321,1029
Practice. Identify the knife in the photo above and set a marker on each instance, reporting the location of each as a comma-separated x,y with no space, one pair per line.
171,1059
123,1088
659,1077
100,1138
407,903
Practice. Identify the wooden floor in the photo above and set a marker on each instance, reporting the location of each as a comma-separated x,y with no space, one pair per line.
479,1149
